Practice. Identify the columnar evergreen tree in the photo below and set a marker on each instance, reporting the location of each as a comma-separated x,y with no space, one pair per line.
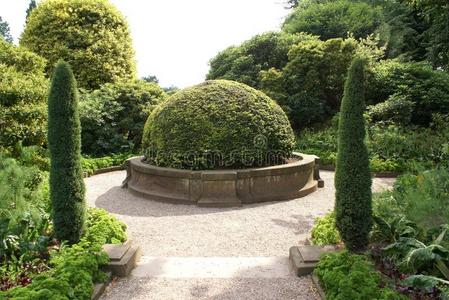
353,176
64,135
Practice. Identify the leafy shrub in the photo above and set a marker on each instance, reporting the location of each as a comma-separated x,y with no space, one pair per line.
397,108
90,165
391,147
74,268
23,90
113,116
91,35
103,228
64,140
325,232
428,89
243,63
424,197
335,19
310,86
353,175
218,124
348,276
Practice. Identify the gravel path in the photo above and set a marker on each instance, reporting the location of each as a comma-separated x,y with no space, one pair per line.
172,230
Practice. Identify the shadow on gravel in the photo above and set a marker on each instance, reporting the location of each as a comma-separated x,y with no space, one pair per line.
301,224
119,201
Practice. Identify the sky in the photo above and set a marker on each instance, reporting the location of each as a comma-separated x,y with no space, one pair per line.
175,39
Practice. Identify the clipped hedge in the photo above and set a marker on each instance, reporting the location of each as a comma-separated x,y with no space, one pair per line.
218,124
91,35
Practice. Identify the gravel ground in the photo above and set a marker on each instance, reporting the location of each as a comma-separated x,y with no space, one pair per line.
207,288
173,230
164,229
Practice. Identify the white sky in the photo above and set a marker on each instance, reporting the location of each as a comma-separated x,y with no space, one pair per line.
174,39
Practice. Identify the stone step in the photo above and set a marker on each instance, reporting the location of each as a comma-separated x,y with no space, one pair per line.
123,258
213,267
304,258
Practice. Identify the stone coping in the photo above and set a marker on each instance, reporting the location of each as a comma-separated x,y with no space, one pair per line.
227,187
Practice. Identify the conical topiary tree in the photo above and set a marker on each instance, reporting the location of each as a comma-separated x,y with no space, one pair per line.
353,176
64,135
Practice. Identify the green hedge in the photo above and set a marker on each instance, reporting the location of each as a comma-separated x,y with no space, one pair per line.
218,124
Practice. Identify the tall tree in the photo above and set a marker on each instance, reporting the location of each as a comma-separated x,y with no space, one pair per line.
5,31
353,176
30,8
64,139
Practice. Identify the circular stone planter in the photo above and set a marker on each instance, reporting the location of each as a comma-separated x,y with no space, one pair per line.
221,188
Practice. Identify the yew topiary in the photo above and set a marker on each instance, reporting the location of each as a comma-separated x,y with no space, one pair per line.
64,140
218,124
352,175
91,35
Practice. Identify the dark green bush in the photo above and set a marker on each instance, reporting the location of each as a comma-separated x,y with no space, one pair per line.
23,90
428,89
64,140
397,109
91,35
310,86
243,63
112,117
335,19
218,124
348,276
353,176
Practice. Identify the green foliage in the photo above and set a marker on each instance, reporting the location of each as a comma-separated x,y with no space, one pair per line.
335,19
113,116
415,257
397,108
391,147
310,86
428,89
92,164
436,13
244,63
91,35
348,276
30,8
74,268
353,176
403,31
103,228
24,222
5,33
218,124
23,90
64,140
325,232
424,198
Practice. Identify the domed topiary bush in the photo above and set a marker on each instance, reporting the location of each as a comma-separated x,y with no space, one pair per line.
215,125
